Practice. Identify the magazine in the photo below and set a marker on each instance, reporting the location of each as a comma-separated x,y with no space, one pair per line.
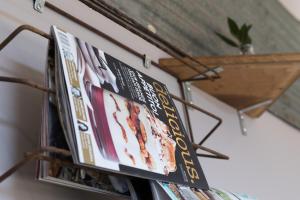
118,119
67,175
179,192
172,190
224,195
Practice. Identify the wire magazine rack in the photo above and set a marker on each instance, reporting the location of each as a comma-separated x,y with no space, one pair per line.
39,154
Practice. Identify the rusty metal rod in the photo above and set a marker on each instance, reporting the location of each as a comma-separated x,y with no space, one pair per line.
20,29
201,110
135,27
210,132
56,150
198,79
195,107
101,34
73,165
91,28
36,154
26,82
18,165
220,155
212,156
185,110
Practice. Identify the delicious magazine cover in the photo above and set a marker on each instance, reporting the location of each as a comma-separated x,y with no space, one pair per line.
119,119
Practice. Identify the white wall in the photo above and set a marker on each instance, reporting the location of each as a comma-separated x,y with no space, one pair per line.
265,163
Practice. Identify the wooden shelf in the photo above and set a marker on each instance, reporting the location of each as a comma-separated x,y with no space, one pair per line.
246,79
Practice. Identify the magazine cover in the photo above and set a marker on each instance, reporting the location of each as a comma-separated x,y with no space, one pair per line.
119,119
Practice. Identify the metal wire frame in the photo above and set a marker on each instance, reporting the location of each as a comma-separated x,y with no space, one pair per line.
101,34
21,28
188,104
133,26
39,153
34,155
185,103
41,33
118,15
47,36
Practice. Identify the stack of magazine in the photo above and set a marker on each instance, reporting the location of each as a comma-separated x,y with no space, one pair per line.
120,125
173,191
62,173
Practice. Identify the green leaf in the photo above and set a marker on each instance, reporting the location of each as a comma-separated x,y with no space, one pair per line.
233,27
227,40
243,34
247,39
244,37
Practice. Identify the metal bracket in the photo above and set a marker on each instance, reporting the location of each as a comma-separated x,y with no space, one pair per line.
187,82
147,61
187,92
252,107
185,86
39,5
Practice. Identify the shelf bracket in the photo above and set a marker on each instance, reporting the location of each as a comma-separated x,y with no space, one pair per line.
241,113
187,91
186,83
39,5
147,61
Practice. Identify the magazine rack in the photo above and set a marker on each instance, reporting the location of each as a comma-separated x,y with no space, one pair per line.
39,153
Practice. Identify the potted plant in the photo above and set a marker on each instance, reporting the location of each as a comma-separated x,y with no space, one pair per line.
242,39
